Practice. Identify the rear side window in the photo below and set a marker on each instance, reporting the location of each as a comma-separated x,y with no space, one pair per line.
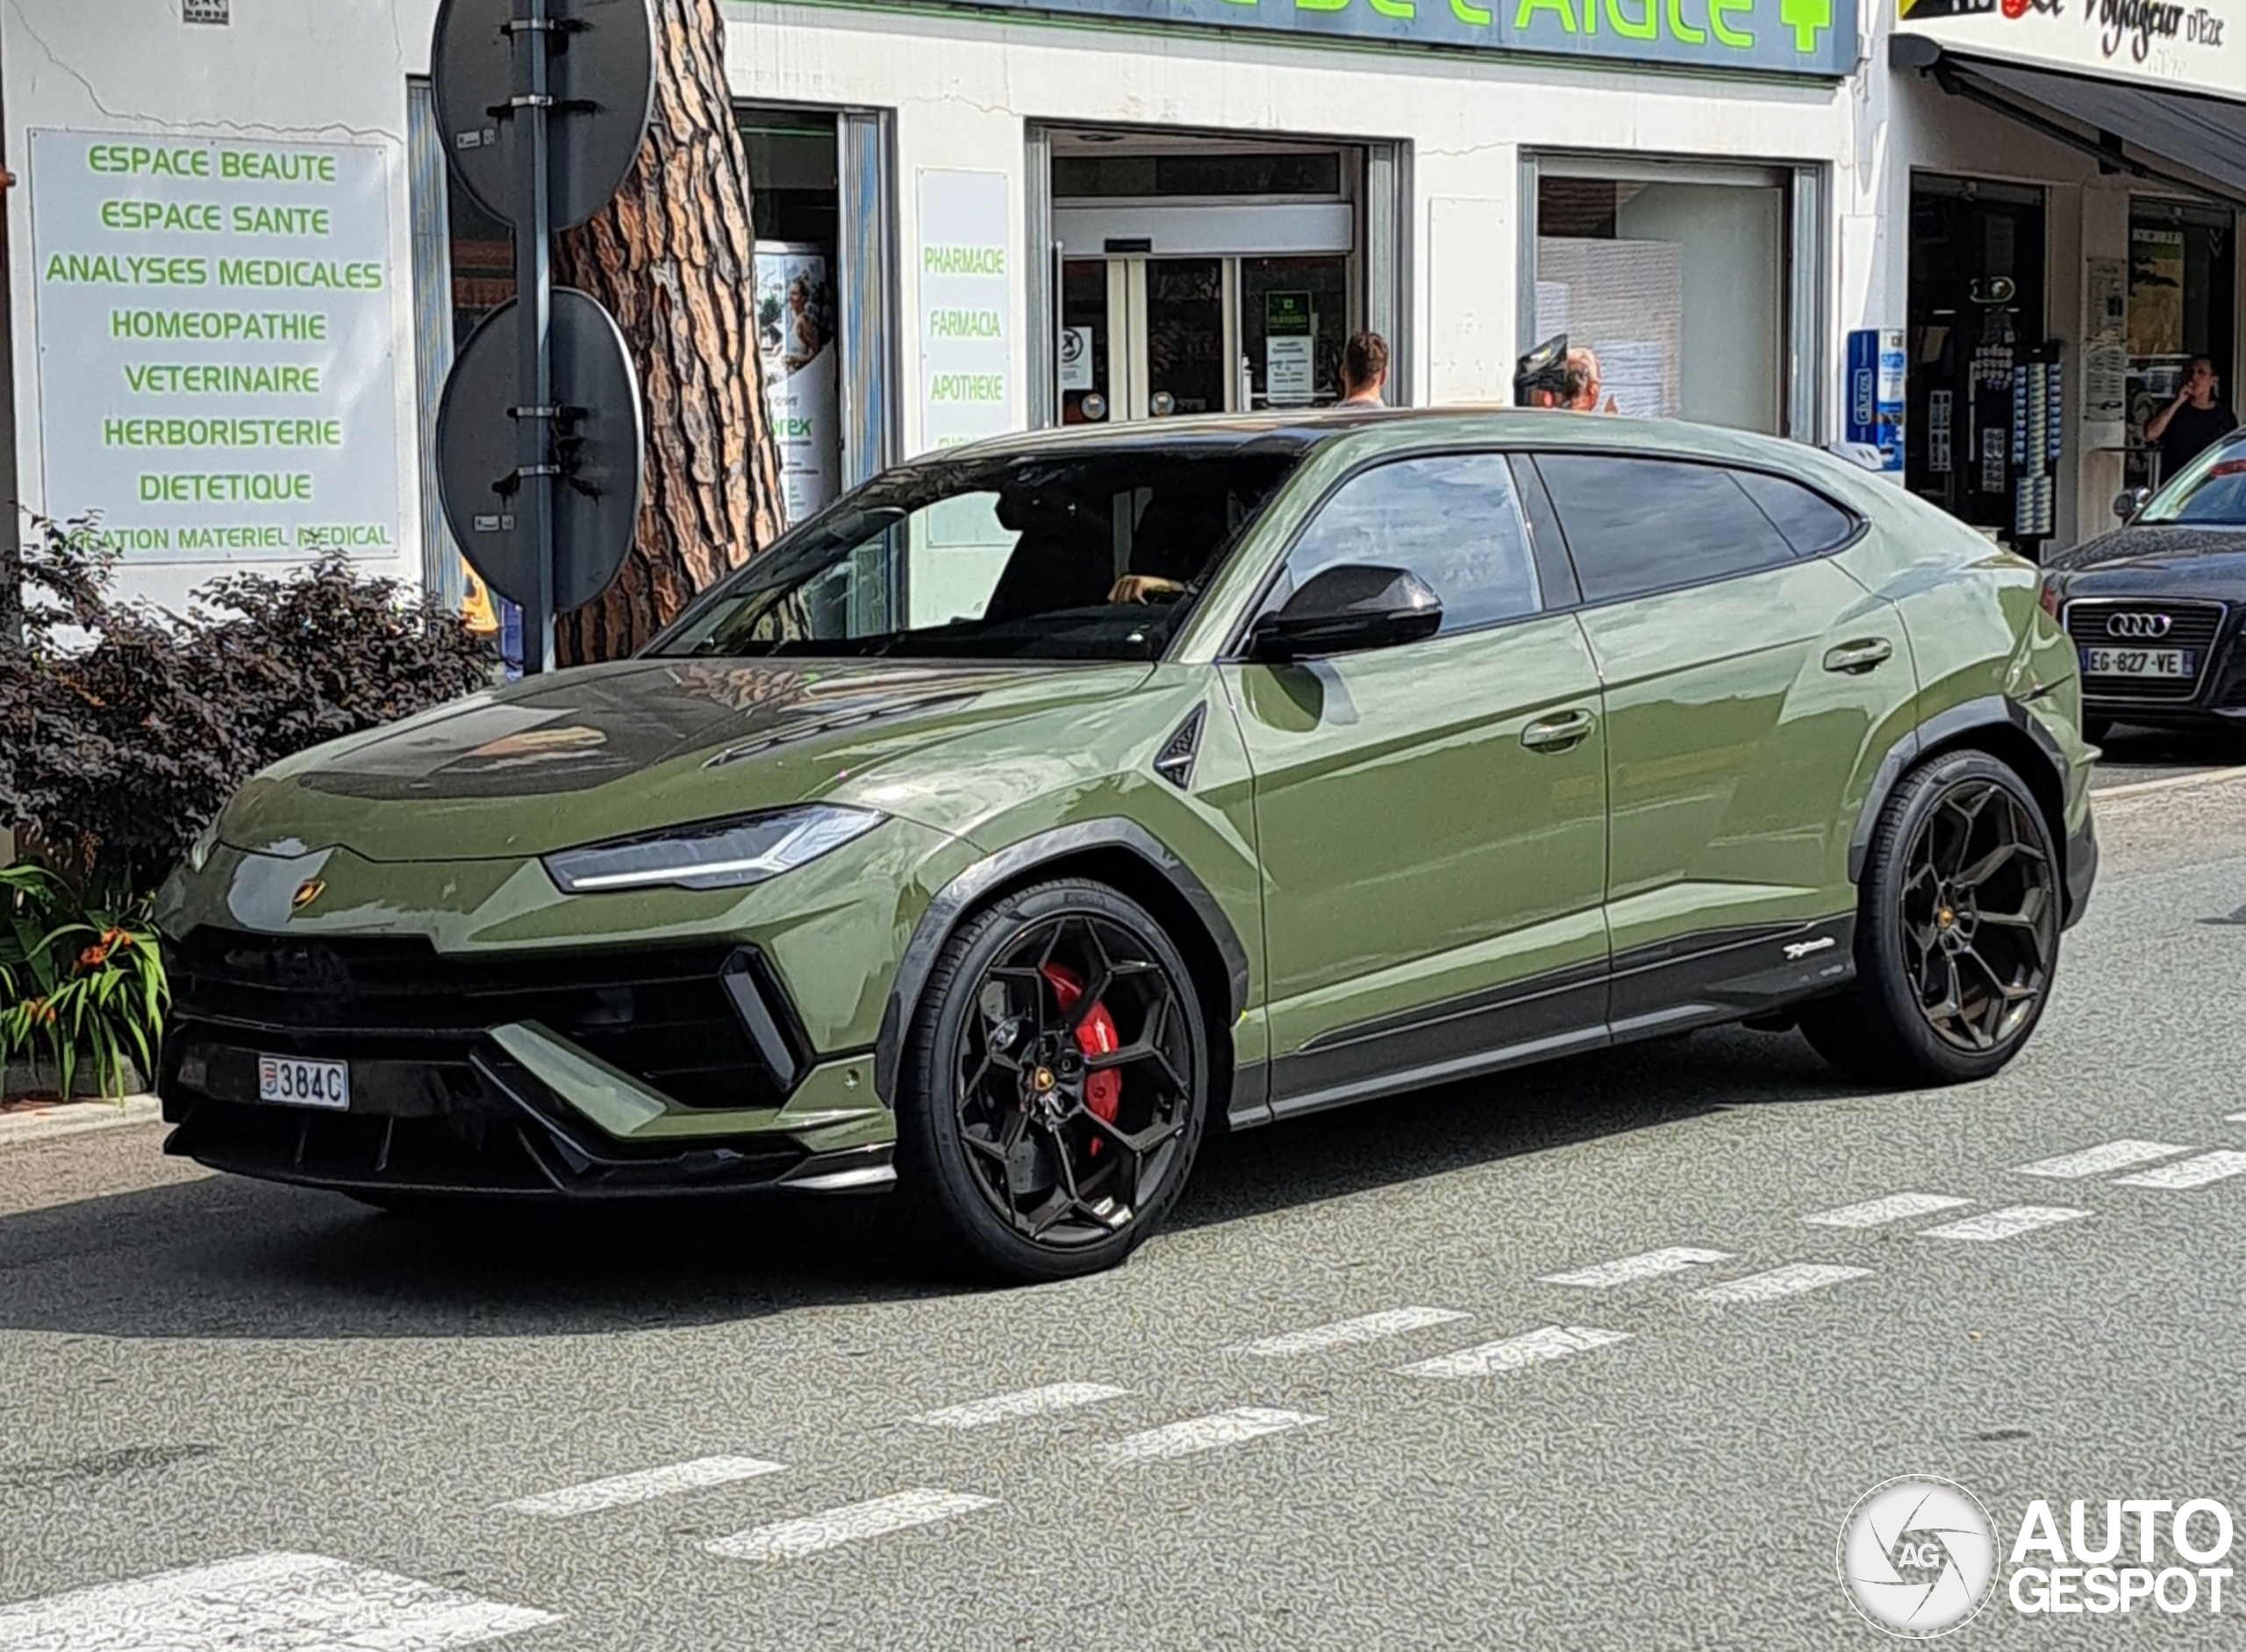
1646,525
1452,518
1812,523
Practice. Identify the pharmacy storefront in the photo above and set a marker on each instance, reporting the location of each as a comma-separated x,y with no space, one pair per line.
2072,172
231,309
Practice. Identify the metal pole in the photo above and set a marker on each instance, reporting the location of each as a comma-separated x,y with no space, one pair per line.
534,306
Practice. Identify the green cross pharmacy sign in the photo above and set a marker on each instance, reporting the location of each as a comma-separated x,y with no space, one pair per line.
1814,37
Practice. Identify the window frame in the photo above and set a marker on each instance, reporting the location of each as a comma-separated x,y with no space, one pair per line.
1860,525
1556,572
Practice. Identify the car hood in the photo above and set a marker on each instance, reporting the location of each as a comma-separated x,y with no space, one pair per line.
2158,560
607,751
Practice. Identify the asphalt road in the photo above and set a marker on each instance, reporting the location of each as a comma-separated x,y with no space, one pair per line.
321,1416
2134,755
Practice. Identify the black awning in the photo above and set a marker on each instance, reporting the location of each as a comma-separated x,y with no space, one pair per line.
2156,131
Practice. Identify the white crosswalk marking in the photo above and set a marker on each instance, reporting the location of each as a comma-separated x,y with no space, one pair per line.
2008,1223
1491,1359
1878,1212
644,1486
1788,1281
1370,1327
261,1603
1629,1271
1028,1402
2235,1118
792,1540
2218,1166
1206,1433
2102,1160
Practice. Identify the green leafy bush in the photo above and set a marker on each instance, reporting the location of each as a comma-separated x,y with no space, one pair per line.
78,983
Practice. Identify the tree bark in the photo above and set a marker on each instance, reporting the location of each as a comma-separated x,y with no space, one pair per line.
673,257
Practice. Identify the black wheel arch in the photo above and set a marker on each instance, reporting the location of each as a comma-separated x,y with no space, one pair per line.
2003,728
1117,852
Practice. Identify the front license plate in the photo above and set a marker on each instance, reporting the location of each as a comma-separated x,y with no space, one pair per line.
287,1082
2137,663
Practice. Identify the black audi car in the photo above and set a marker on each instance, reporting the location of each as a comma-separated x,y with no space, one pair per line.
2157,608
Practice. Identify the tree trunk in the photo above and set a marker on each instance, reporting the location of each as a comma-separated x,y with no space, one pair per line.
673,258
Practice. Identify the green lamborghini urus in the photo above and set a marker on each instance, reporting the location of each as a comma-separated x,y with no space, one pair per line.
1043,806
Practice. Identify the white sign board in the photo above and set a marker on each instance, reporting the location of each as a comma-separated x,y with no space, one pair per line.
1287,381
1076,359
966,293
795,330
217,343
2199,48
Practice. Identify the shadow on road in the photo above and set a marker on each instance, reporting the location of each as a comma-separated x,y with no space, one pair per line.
219,1258
2132,753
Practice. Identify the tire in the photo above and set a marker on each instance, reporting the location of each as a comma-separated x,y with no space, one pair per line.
1957,931
1005,1118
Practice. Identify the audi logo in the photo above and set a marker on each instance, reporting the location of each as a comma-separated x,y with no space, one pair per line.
2141,628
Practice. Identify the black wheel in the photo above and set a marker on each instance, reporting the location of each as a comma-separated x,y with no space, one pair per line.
1957,931
1056,1083
2095,729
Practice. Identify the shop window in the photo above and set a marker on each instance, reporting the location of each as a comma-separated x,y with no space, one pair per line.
2181,304
1676,285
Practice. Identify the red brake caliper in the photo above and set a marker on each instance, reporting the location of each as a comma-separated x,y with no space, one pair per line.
1095,1036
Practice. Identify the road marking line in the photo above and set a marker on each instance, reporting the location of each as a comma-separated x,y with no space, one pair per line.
2169,782
2007,1223
1878,1212
792,1540
1629,1271
1370,1327
2235,1118
2103,1159
1788,1281
261,1603
2208,1167
1491,1359
1028,1402
644,1486
1207,1434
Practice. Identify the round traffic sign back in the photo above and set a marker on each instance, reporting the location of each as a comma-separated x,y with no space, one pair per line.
601,74
598,440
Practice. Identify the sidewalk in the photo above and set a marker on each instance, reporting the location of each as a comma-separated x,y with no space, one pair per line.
44,1121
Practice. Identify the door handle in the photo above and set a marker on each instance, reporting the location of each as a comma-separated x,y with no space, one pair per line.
1867,655
1557,733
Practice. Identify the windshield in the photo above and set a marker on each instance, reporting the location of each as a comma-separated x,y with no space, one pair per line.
1090,555
2211,490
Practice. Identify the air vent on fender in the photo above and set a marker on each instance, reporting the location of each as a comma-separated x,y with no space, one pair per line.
1175,762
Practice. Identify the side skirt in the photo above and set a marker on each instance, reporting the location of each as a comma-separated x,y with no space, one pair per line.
1701,980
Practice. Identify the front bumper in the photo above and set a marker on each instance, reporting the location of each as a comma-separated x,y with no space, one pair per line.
593,1075
2215,696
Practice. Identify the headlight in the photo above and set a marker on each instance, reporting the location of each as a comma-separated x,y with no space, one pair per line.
710,854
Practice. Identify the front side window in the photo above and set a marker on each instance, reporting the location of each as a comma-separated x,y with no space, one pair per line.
1454,519
1091,554
1635,526
2211,490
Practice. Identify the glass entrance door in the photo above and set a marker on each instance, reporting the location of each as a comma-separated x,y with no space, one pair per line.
1147,337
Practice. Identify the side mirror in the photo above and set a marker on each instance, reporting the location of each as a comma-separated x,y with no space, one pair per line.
1347,608
2130,500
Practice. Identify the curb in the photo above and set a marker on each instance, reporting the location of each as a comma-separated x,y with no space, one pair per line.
2171,783
75,1117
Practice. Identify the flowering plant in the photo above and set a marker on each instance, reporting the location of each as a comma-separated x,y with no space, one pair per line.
78,982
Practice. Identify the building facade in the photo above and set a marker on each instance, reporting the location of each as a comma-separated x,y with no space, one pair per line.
238,270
